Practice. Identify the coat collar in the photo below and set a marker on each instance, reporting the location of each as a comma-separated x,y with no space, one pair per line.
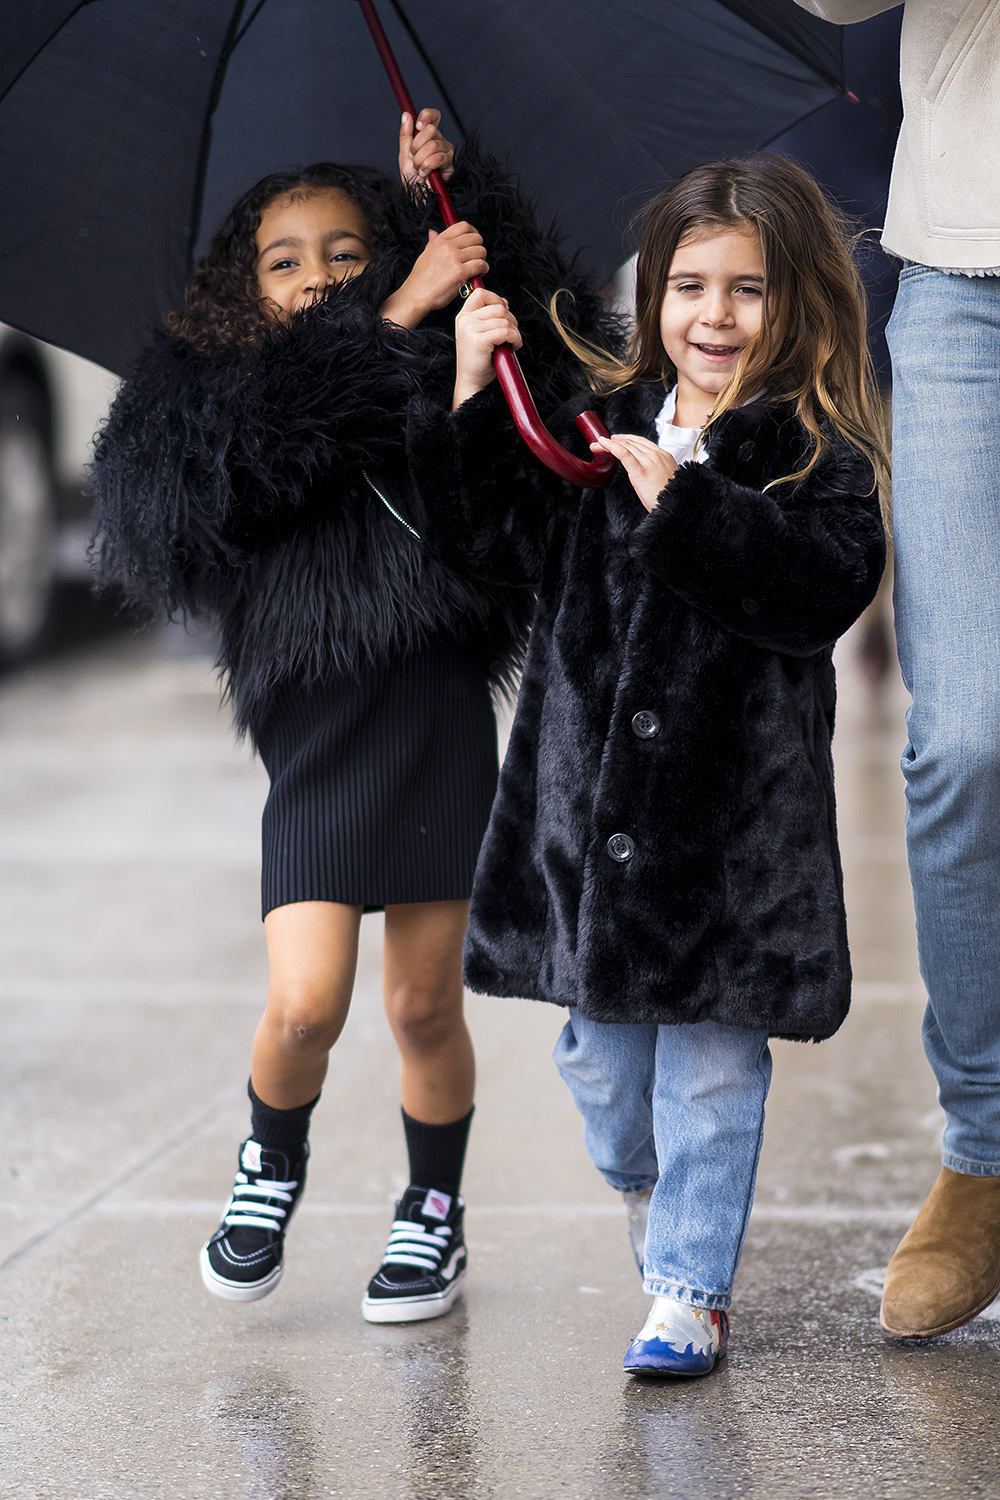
754,444
636,407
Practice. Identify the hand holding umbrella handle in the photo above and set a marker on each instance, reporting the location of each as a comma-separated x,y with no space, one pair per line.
537,436
591,474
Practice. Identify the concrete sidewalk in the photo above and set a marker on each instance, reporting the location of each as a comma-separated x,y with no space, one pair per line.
131,977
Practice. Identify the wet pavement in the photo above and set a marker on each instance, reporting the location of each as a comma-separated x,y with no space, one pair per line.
131,976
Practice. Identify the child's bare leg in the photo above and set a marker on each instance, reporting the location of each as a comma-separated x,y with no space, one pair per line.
424,1263
422,971
312,950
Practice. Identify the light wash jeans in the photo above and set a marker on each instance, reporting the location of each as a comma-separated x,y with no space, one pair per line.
679,1109
944,337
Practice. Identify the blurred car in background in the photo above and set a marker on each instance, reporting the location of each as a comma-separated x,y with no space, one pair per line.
51,404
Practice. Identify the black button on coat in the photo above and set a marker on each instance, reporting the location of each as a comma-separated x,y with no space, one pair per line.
621,847
731,905
645,724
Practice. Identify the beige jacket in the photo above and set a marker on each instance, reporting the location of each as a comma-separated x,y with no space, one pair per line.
944,202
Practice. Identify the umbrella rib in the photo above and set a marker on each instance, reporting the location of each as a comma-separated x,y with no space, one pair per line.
225,53
247,24
42,46
808,55
826,104
432,70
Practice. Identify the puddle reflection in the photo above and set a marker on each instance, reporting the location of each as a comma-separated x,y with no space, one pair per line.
676,1438
264,1422
944,1396
429,1372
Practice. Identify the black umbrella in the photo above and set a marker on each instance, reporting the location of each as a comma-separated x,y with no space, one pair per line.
850,149
127,127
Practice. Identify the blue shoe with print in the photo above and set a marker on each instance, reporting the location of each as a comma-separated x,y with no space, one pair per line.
678,1339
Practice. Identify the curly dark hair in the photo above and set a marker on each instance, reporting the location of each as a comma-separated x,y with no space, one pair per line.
221,307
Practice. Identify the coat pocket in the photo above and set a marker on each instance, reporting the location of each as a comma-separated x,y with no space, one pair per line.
960,110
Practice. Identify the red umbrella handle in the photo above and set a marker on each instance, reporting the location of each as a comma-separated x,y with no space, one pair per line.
522,408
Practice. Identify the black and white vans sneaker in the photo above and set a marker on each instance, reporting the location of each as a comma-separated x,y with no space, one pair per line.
243,1259
423,1266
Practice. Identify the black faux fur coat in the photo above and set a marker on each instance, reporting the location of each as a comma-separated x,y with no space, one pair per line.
235,486
663,845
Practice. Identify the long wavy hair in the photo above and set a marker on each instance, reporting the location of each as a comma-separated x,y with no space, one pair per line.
812,349
221,308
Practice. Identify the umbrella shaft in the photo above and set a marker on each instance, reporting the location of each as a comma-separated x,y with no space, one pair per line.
522,408
405,102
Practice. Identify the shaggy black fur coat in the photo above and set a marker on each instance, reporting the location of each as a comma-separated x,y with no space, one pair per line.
235,486
663,843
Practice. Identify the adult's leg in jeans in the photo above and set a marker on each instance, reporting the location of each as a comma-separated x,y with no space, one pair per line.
708,1117
945,343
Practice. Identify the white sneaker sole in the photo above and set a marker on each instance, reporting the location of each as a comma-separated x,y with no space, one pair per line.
411,1309
235,1291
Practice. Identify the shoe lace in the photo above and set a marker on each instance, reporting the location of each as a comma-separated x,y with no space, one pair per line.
257,1202
412,1244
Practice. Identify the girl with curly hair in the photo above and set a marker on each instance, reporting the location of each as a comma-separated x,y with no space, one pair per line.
253,470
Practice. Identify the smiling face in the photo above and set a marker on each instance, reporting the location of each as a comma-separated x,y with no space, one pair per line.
711,310
307,240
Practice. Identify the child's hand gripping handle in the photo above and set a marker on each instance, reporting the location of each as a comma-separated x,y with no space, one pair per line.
590,474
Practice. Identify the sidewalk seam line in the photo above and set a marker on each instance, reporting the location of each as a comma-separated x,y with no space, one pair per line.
176,1138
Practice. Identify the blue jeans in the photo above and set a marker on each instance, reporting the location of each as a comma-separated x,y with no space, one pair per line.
944,336
679,1109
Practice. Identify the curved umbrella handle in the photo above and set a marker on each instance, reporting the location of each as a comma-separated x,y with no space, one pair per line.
591,474
543,445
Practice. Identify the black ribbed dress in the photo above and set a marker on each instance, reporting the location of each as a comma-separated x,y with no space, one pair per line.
381,784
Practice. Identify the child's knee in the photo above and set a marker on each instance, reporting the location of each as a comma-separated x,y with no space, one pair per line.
422,1017
305,1019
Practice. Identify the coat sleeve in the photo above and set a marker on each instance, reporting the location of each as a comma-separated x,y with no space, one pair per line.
481,501
203,457
163,491
789,572
321,401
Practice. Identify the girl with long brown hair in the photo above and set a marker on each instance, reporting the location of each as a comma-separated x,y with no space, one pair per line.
662,854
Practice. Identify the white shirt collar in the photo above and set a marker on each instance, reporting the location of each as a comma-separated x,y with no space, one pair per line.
680,442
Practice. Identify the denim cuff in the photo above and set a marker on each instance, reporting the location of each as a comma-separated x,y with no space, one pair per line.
970,1168
624,1182
691,1296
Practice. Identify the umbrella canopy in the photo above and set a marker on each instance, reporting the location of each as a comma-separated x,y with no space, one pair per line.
849,148
127,127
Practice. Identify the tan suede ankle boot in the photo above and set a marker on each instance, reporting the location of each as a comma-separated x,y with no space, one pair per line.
947,1266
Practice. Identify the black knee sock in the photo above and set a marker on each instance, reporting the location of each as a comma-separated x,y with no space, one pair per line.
279,1129
437,1152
